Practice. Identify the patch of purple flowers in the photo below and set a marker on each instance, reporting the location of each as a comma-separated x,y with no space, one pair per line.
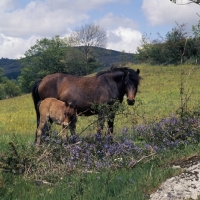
171,132
99,151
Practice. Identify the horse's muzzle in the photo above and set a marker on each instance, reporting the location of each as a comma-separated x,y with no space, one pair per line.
65,124
131,102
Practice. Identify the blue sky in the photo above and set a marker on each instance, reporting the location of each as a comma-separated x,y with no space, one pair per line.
24,21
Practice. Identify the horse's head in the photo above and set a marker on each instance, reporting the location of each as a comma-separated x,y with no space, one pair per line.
70,113
131,85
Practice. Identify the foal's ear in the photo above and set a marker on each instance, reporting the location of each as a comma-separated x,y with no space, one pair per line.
138,71
67,104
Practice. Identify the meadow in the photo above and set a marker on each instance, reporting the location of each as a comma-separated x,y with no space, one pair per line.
165,92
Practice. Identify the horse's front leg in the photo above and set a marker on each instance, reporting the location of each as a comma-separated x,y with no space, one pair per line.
72,125
72,128
101,120
111,123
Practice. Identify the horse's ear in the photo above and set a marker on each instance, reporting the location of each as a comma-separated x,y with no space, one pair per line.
73,104
138,71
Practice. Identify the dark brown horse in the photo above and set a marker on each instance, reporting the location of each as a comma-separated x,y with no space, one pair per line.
103,88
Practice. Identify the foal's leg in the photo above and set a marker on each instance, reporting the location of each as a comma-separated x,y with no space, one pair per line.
63,133
47,127
39,132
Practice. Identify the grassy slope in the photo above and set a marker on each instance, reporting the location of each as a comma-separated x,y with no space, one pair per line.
158,97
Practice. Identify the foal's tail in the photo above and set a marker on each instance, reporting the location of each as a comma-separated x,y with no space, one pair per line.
36,98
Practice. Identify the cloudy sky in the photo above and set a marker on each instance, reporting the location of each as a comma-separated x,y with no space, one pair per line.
22,22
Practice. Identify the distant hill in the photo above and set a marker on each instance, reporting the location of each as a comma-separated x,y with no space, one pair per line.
11,67
108,57
105,56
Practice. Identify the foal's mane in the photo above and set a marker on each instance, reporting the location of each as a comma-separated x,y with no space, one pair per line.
132,74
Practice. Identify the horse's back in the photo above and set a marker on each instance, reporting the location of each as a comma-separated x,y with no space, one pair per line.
69,87
49,86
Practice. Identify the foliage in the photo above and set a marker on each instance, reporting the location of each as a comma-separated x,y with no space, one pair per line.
45,57
76,64
11,67
8,88
11,88
183,3
177,47
2,77
2,92
85,38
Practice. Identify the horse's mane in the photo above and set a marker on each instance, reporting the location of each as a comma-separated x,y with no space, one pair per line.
133,75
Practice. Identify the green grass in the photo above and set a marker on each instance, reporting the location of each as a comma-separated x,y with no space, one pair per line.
134,183
117,184
158,97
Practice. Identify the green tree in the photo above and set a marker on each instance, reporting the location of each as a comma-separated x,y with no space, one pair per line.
85,40
176,43
45,57
152,52
8,88
196,41
175,48
2,92
2,77
11,88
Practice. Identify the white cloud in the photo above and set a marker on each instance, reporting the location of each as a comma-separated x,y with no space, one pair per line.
39,18
6,5
126,39
15,47
21,26
111,21
122,32
45,18
165,12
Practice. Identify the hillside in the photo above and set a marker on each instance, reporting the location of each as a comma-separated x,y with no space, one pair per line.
105,56
108,56
11,67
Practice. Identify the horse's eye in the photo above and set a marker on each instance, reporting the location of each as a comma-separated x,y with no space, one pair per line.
67,114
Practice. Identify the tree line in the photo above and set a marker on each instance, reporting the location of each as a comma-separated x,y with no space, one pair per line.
178,46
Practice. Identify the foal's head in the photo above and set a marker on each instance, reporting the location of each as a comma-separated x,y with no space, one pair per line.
70,113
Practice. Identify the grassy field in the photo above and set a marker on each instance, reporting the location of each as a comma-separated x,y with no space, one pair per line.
159,97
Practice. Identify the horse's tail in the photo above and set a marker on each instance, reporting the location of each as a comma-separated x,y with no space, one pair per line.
36,98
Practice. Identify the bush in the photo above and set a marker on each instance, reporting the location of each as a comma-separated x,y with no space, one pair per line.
2,92
11,88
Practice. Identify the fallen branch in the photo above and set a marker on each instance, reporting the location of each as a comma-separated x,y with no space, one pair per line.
134,162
